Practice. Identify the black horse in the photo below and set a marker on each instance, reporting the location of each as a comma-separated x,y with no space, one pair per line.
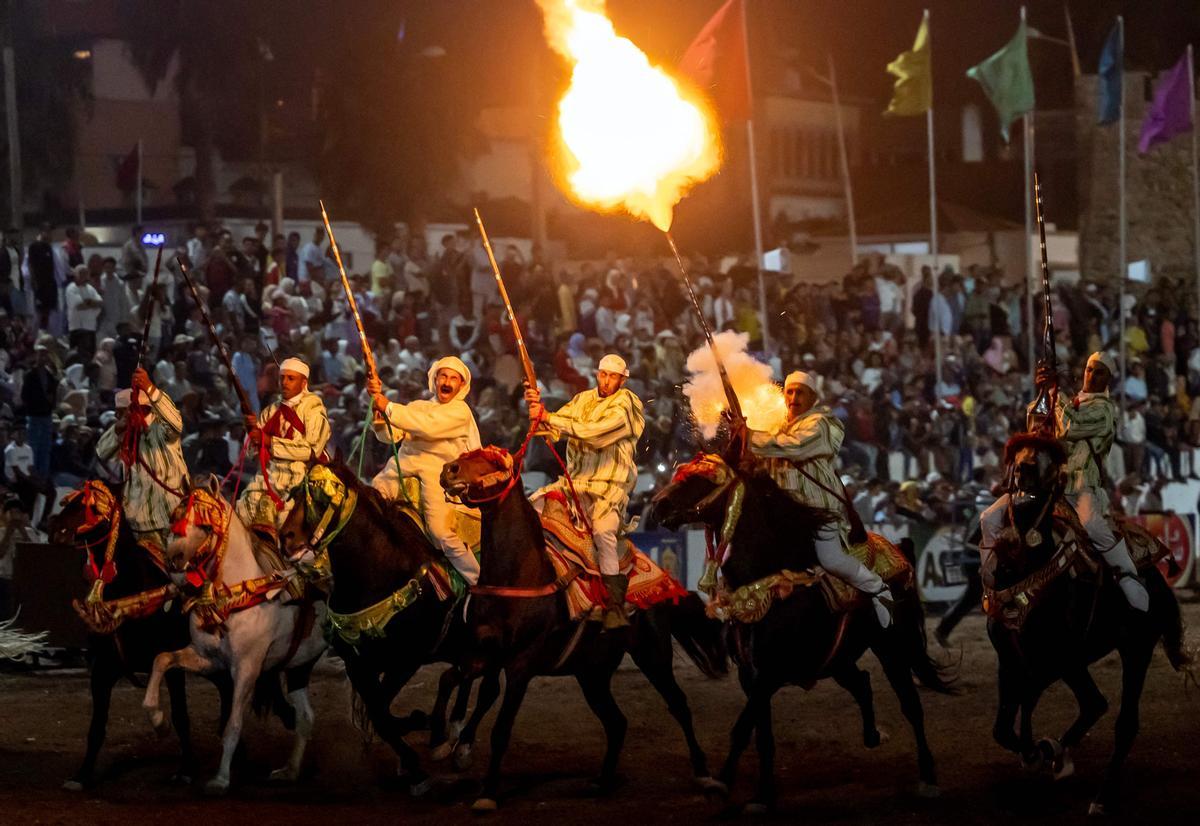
800,639
86,522
379,552
520,624
1074,621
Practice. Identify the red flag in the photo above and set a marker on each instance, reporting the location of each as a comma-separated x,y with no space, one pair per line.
716,62
127,171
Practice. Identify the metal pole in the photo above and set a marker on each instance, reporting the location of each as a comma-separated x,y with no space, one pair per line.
754,195
845,156
933,233
1195,169
139,181
14,135
277,199
1122,240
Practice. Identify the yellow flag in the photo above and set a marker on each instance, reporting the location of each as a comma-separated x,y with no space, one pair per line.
913,70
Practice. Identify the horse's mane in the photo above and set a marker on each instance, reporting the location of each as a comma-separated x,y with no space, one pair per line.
394,518
782,509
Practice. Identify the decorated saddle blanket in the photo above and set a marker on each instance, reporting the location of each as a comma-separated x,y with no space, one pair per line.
569,546
751,602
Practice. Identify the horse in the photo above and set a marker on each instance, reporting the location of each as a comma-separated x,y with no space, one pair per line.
519,623
791,635
239,623
388,618
125,633
1048,628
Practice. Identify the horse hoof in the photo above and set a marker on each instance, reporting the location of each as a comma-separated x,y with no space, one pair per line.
1066,766
484,805
285,775
181,779
928,791
421,788
72,786
455,729
216,787
713,786
756,809
1097,809
441,752
462,758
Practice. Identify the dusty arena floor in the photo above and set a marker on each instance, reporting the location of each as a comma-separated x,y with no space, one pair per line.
825,775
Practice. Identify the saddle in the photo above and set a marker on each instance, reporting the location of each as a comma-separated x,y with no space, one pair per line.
751,602
569,547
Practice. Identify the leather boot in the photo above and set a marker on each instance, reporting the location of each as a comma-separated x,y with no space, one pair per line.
1117,558
614,606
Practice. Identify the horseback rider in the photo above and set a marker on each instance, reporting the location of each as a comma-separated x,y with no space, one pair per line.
800,457
290,435
428,433
602,426
152,453
1087,425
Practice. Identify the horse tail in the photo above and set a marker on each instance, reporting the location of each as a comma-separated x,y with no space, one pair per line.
701,636
269,697
1165,608
909,616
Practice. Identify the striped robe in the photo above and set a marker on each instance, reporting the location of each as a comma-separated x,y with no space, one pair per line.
602,436
810,442
147,506
1085,424
292,453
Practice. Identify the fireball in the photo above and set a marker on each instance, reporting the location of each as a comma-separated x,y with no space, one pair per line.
631,138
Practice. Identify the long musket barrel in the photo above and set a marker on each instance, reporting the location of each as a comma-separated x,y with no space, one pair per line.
362,334
1045,405
243,399
150,307
735,406
526,363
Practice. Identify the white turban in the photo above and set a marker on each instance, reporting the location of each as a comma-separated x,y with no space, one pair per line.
800,377
1103,357
612,363
122,398
450,363
294,365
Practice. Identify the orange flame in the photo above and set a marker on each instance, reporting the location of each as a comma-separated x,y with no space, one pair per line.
762,400
632,140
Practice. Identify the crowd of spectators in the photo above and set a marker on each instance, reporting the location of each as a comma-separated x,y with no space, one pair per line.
71,330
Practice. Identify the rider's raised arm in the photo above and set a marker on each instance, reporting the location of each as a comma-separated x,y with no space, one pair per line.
167,413
1086,421
623,420
430,421
813,437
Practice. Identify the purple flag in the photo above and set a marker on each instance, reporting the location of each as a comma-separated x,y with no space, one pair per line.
1171,112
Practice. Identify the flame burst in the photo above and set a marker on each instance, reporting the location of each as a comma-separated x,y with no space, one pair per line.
631,138
762,399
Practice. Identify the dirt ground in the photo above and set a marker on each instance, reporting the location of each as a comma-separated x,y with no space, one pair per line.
825,774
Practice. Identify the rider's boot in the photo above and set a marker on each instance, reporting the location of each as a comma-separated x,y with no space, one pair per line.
614,607
869,582
1117,558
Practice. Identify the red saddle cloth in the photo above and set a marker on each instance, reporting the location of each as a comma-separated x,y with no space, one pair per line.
569,545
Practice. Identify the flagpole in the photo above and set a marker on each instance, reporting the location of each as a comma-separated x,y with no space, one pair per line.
933,232
755,205
1195,167
1122,266
845,155
139,181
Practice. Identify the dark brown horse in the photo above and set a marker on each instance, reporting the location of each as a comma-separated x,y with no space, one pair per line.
86,523
1072,622
377,551
520,624
800,639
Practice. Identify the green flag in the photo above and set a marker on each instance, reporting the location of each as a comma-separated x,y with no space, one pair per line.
913,70
1007,80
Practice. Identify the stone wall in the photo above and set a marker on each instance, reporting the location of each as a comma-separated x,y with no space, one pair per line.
1158,196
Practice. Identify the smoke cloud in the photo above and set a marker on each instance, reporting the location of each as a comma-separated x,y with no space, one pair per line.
761,398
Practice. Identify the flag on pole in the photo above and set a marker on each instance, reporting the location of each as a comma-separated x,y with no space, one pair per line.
912,93
1007,80
717,62
1110,72
127,171
1171,112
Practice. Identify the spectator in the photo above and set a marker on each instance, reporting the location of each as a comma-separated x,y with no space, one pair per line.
311,262
83,312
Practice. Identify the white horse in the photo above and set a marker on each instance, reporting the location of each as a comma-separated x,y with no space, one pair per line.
241,622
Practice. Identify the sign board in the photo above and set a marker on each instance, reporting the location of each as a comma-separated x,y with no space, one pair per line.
1139,271
940,575
668,549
